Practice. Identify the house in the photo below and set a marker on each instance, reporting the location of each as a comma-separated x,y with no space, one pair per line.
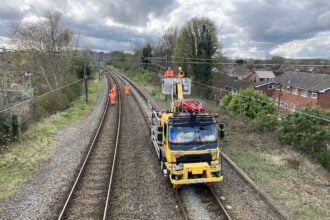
228,84
258,76
292,90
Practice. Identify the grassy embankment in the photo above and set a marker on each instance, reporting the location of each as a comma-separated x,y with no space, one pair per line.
301,189
38,143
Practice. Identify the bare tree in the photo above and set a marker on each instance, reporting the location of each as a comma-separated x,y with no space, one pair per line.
166,43
51,45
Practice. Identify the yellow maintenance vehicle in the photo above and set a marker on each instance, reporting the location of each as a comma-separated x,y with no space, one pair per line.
185,138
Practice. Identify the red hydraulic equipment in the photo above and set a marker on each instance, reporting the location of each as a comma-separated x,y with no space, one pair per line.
189,105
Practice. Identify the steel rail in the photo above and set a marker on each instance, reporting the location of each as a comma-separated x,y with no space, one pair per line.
220,204
82,168
116,149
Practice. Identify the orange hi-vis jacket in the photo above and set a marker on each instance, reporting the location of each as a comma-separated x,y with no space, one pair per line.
169,74
112,98
127,89
180,74
114,90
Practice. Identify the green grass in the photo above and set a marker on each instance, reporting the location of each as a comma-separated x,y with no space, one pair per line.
275,179
37,144
301,193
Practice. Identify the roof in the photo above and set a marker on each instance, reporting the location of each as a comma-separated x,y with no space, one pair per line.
302,80
232,82
239,84
265,74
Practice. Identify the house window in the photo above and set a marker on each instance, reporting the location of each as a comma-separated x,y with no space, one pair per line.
286,106
276,101
278,87
304,92
293,107
281,103
283,88
235,91
295,91
270,86
288,89
314,95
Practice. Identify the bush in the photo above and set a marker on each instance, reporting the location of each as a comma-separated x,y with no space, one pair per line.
265,121
323,157
248,102
8,128
145,76
307,134
303,132
226,100
55,102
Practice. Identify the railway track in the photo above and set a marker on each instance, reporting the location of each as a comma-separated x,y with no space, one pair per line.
218,208
100,185
89,195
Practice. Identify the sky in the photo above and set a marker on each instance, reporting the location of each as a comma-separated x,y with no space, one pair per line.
246,28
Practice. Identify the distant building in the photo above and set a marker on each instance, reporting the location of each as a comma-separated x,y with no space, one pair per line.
228,84
292,90
259,76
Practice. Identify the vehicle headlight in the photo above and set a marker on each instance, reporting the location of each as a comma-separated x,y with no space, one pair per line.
216,164
178,167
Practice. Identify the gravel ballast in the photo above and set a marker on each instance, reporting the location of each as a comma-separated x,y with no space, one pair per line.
139,190
45,191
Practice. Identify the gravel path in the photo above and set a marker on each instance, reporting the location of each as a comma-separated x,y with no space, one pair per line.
243,200
139,190
45,192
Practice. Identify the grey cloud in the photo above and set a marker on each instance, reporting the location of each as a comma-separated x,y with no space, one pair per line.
280,21
8,12
133,12
104,32
324,20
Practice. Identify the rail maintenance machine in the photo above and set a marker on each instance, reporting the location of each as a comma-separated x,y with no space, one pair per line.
185,138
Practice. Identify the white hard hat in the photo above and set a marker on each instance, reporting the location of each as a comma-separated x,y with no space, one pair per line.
179,68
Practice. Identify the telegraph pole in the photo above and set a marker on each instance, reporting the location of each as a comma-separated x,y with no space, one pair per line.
98,64
85,78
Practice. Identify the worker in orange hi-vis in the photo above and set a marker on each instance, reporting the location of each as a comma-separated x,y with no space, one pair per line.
127,89
114,90
112,98
180,73
169,73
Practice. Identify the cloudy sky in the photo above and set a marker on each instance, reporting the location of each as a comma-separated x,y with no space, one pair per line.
254,29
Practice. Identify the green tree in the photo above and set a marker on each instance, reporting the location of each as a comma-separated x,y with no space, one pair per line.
197,43
146,54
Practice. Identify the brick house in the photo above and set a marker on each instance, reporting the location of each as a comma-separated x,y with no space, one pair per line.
293,90
259,76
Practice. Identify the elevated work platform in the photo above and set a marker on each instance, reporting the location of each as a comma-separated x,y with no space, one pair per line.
167,85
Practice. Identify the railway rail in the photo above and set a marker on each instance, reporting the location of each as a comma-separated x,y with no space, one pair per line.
87,195
140,96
